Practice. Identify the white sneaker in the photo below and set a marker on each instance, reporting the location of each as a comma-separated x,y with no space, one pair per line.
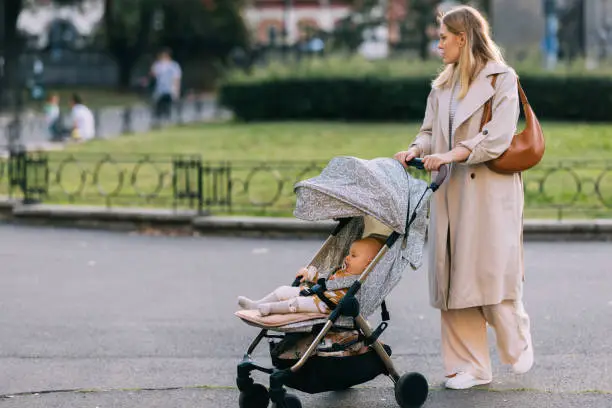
525,361
463,381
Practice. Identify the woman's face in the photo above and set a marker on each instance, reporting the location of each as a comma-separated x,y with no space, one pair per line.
450,45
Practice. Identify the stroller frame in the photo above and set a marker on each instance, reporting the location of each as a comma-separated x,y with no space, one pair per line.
413,385
411,389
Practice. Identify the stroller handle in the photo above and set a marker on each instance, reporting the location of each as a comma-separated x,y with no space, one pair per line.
416,163
442,171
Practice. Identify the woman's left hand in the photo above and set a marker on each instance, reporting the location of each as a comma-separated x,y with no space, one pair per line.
434,161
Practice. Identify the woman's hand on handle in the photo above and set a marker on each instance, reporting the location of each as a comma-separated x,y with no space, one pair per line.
433,162
407,155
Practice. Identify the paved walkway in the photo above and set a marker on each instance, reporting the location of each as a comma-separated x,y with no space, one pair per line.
147,322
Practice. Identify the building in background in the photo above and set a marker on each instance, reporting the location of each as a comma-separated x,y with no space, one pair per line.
598,30
269,18
48,24
584,26
53,27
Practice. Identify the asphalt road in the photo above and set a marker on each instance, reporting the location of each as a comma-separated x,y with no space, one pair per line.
145,321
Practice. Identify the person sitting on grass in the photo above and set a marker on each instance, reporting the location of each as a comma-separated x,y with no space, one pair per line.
83,122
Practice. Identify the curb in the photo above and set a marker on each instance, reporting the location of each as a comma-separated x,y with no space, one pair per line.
90,217
568,230
192,223
262,226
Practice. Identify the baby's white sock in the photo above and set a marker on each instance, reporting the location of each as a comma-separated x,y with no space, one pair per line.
249,304
246,303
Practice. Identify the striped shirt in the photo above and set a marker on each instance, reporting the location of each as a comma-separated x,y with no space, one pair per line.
454,101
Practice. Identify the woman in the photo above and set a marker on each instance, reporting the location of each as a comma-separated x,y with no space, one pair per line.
475,235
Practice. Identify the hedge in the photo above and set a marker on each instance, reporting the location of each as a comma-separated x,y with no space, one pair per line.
401,99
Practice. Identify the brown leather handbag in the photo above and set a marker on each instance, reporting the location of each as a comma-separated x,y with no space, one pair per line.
527,147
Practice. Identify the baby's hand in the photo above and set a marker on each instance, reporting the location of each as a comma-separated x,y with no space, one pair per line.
307,274
302,274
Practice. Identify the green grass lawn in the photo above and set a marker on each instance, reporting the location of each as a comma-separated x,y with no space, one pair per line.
322,141
269,187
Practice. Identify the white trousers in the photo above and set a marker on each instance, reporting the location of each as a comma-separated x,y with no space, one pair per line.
464,337
290,299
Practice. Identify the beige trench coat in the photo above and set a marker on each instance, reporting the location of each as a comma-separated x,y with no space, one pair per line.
476,227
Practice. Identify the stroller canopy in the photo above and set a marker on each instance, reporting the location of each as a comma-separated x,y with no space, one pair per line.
350,187
381,188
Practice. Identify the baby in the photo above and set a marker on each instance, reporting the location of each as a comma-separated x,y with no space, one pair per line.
289,299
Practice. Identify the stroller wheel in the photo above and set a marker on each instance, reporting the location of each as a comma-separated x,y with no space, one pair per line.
291,401
256,396
411,390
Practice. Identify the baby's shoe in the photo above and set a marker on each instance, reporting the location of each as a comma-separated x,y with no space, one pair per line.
463,381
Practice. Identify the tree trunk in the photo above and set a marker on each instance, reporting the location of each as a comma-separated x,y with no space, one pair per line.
126,66
127,53
486,8
423,21
11,46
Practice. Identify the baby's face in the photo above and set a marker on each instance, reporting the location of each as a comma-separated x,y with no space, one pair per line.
360,255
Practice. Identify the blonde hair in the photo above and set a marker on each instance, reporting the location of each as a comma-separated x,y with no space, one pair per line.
478,50
372,244
376,239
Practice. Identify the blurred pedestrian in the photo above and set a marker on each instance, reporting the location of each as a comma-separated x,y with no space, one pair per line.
167,75
53,117
550,42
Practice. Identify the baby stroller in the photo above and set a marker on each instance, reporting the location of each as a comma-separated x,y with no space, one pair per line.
315,352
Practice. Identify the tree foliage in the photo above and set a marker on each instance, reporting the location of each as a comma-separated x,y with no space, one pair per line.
200,28
193,29
414,23
128,27
365,15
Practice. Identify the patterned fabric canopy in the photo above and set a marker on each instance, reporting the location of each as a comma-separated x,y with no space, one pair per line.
352,187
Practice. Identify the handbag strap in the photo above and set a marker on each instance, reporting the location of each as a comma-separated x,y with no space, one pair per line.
488,108
522,95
